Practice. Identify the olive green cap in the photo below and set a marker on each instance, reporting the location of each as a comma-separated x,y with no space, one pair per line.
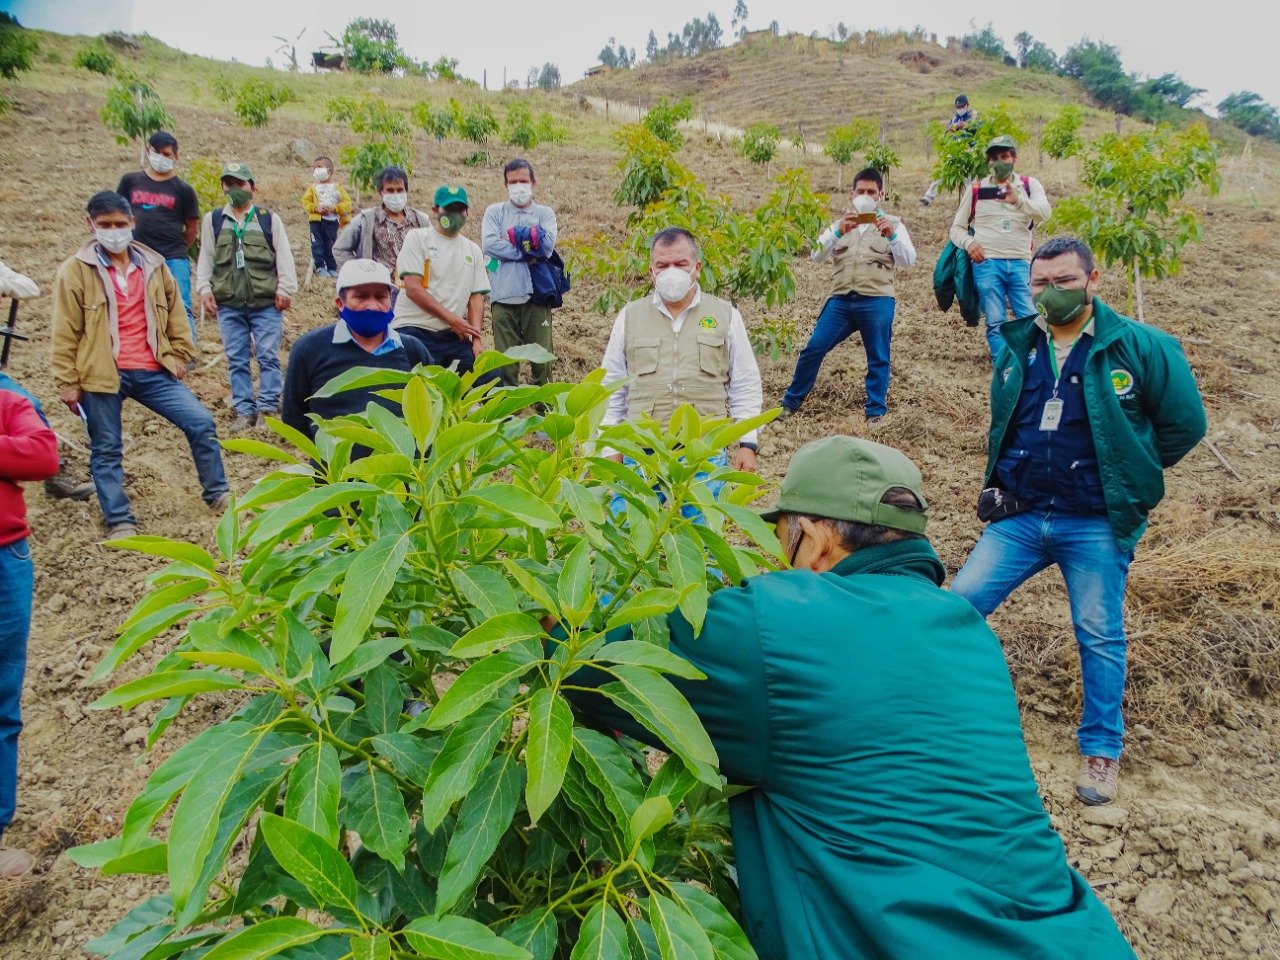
238,171
844,478
1003,142
446,195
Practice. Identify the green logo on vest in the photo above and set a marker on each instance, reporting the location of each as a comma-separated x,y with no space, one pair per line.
1122,382
708,323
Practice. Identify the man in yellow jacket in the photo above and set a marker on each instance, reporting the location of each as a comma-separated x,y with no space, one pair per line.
120,331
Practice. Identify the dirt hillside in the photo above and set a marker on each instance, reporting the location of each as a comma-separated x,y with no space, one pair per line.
1188,859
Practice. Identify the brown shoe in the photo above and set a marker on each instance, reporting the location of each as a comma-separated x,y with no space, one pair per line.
15,863
242,424
1097,782
61,487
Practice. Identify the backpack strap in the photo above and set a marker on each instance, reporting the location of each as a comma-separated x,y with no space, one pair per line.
215,219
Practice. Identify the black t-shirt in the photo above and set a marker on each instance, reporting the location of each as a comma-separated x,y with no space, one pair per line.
162,209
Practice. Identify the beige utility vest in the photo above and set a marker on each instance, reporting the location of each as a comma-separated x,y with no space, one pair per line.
863,264
669,368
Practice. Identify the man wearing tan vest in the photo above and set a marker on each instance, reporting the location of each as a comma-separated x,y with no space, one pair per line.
865,246
682,346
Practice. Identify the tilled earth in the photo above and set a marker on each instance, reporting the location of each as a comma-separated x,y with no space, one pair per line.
1188,859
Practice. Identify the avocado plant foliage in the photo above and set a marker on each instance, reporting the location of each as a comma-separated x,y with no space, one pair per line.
390,640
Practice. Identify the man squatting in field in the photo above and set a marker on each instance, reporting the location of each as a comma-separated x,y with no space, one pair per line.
1088,408
865,247
853,696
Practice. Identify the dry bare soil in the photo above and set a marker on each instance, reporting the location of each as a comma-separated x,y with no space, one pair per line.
1187,859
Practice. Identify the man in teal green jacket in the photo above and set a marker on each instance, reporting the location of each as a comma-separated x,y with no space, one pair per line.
894,814
1088,408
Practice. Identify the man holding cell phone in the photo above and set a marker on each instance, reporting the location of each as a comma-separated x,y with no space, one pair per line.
865,247
993,225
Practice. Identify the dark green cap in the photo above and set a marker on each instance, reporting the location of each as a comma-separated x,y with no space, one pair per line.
1003,142
446,195
844,478
238,171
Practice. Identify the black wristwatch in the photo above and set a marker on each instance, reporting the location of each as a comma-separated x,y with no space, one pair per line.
753,447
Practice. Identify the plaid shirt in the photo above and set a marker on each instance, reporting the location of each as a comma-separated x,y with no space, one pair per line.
388,236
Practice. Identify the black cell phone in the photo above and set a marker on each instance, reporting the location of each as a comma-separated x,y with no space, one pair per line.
990,193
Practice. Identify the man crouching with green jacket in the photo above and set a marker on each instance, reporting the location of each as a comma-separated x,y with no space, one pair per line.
1088,409
858,699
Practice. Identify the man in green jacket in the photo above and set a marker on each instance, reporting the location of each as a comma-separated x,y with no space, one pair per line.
1088,408
854,696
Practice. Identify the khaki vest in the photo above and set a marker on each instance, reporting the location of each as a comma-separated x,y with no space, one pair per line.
255,284
863,264
669,369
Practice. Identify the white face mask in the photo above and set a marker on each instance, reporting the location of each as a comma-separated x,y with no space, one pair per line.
321,174
673,284
395,202
159,162
864,204
520,193
114,240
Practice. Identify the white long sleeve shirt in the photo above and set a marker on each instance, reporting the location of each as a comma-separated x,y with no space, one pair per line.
901,248
745,392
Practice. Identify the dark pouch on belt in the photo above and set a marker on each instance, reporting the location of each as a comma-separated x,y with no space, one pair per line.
996,504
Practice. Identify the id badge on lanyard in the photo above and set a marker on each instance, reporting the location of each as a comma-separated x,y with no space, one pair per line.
1052,414
239,258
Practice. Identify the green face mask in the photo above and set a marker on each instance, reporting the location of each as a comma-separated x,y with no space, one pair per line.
1001,169
452,222
1060,305
239,196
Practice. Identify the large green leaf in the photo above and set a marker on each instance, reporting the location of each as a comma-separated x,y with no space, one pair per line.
164,547
110,857
664,712
358,377
537,932
650,817
256,448
531,585
315,785
139,634
273,524
487,588
547,749
483,818
574,587
475,687
365,586
641,654
514,502
457,938
410,755
679,936
646,603
312,860
417,411
727,938
610,771
161,686
269,938
688,566
603,935
383,698
585,505
466,750
496,633
375,810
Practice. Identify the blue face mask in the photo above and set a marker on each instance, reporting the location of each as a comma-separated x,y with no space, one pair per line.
366,323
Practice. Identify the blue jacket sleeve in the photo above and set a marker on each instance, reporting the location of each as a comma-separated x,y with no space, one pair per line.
493,239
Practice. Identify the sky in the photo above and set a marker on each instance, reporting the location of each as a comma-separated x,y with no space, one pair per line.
1223,47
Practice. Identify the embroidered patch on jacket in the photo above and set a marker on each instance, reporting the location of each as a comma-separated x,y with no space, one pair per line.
1004,376
1122,381
1031,357
708,323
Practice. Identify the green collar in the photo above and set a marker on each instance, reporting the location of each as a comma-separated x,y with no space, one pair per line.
908,558
1106,327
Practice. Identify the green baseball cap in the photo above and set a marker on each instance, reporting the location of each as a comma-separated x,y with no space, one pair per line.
844,478
238,171
446,195
1003,142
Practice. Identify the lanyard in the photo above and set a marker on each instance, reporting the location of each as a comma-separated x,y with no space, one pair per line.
1052,350
239,230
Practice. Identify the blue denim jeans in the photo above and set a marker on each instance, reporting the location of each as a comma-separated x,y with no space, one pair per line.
1012,550
324,233
157,391
1001,282
248,332
180,267
17,578
841,317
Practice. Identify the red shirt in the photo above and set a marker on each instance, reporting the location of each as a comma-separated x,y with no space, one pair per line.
131,308
28,451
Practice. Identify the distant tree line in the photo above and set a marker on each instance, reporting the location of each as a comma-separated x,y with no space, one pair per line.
1097,67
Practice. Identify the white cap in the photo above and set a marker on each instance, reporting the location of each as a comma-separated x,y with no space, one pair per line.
355,273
